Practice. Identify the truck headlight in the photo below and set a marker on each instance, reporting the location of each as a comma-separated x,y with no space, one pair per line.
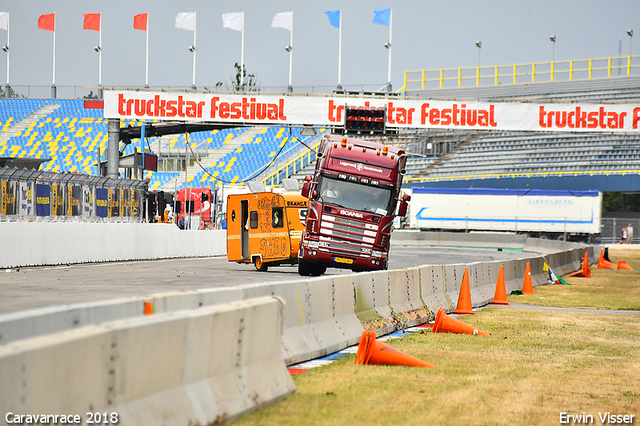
312,244
376,253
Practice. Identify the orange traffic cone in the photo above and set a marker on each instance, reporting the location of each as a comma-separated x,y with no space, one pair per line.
623,265
445,324
585,271
527,285
603,263
372,352
464,299
500,297
148,308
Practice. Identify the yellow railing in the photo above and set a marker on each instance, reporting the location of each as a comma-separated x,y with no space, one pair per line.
522,174
580,69
292,167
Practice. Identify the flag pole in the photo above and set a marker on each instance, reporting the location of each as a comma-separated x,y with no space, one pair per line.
290,88
195,23
6,95
146,60
390,47
53,84
242,56
100,54
340,52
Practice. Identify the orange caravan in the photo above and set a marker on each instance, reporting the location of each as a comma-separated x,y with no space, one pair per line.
264,228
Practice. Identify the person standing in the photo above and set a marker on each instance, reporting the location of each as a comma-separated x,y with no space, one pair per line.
623,236
629,234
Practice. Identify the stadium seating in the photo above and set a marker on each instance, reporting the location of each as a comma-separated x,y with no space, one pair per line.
71,135
508,153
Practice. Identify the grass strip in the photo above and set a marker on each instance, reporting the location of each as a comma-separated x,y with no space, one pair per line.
534,366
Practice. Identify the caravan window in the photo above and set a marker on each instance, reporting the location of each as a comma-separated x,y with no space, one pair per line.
277,217
253,222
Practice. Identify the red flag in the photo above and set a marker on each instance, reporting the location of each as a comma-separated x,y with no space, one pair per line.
47,22
140,22
91,21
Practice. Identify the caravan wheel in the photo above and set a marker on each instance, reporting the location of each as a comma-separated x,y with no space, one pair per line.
260,265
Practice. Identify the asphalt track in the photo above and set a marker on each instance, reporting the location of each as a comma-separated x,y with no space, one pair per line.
34,287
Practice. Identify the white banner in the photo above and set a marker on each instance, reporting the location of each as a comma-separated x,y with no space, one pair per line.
26,199
401,113
87,201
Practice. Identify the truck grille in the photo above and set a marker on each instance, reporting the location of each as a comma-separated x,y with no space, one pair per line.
345,248
350,222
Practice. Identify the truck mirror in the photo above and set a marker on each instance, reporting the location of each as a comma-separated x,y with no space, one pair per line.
315,194
402,208
406,197
308,178
306,187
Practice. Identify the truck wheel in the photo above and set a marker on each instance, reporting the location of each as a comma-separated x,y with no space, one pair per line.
318,270
260,265
304,268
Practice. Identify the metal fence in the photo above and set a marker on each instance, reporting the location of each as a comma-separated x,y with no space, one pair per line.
30,195
612,229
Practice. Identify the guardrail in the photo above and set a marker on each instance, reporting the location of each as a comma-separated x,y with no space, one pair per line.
110,341
580,69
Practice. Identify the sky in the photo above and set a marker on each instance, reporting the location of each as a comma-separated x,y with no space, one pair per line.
427,34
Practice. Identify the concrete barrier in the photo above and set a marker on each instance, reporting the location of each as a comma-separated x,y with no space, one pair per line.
453,275
322,314
432,289
460,239
42,321
201,366
344,314
483,287
299,340
326,313
404,297
38,243
372,301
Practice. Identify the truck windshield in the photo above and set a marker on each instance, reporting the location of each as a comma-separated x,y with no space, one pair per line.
354,196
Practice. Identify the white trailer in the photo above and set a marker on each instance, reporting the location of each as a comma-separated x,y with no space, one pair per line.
556,214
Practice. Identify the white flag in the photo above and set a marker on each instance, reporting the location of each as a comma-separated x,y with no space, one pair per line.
4,21
186,21
283,20
233,21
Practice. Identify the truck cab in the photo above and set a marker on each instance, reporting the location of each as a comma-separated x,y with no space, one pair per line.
353,197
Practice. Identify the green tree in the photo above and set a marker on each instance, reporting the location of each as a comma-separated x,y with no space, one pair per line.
620,202
241,76
12,93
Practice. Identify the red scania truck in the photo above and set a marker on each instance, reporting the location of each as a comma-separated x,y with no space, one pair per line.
352,202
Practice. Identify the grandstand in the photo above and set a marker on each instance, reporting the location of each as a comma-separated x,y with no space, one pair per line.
72,137
530,159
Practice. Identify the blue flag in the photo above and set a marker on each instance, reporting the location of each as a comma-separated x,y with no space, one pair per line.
382,16
334,17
